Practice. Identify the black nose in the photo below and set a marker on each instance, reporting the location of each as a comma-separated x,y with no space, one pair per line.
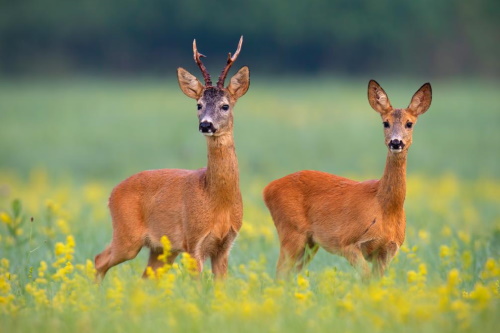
207,127
396,144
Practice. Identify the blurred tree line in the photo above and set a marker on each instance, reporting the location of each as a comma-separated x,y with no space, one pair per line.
438,37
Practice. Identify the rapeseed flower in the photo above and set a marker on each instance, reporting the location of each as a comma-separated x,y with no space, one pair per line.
5,218
481,295
189,264
449,295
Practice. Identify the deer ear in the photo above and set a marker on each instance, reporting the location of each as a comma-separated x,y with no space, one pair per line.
378,98
189,84
239,83
421,101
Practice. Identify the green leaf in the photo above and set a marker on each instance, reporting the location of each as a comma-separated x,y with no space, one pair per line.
16,207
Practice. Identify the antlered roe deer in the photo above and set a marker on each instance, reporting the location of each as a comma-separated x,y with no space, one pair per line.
362,221
200,211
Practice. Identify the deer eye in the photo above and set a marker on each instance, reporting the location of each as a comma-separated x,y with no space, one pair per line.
199,106
386,124
409,124
225,107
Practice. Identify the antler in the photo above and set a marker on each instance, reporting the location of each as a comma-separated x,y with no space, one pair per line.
197,55
230,61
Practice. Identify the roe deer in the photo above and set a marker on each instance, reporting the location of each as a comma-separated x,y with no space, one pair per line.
362,221
200,211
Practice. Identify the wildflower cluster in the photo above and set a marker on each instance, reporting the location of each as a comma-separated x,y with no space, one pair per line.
444,276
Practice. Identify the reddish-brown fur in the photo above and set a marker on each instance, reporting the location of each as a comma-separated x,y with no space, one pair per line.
362,221
200,211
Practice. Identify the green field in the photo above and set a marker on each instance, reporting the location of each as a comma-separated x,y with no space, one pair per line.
64,144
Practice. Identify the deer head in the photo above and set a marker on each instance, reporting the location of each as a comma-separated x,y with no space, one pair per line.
215,103
398,123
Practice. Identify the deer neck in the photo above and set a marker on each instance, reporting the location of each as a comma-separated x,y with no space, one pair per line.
222,177
392,186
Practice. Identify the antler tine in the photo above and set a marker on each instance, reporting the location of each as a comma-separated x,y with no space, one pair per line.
229,63
197,55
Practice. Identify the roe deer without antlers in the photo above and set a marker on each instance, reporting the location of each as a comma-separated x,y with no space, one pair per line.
200,211
362,221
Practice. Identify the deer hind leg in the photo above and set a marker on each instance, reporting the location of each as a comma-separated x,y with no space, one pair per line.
355,257
126,244
294,254
116,253
220,258
309,252
383,259
155,263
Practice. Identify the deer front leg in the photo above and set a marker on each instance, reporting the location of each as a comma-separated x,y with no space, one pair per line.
355,257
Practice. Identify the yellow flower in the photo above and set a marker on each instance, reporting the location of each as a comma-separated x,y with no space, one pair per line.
405,248
70,241
490,264
190,264
4,285
52,206
417,278
377,294
423,312
444,251
115,294
59,249
94,192
464,237
422,268
481,295
461,308
303,296
5,218
192,310
4,263
64,252
63,226
424,236
466,259
302,282
88,269
491,269
446,231
274,292
412,276
453,278
39,295
41,273
63,272
150,273
42,269
167,247
346,303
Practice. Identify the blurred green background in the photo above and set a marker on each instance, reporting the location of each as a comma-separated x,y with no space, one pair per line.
426,37
88,88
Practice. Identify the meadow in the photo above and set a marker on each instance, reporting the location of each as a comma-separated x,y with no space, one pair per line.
65,143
